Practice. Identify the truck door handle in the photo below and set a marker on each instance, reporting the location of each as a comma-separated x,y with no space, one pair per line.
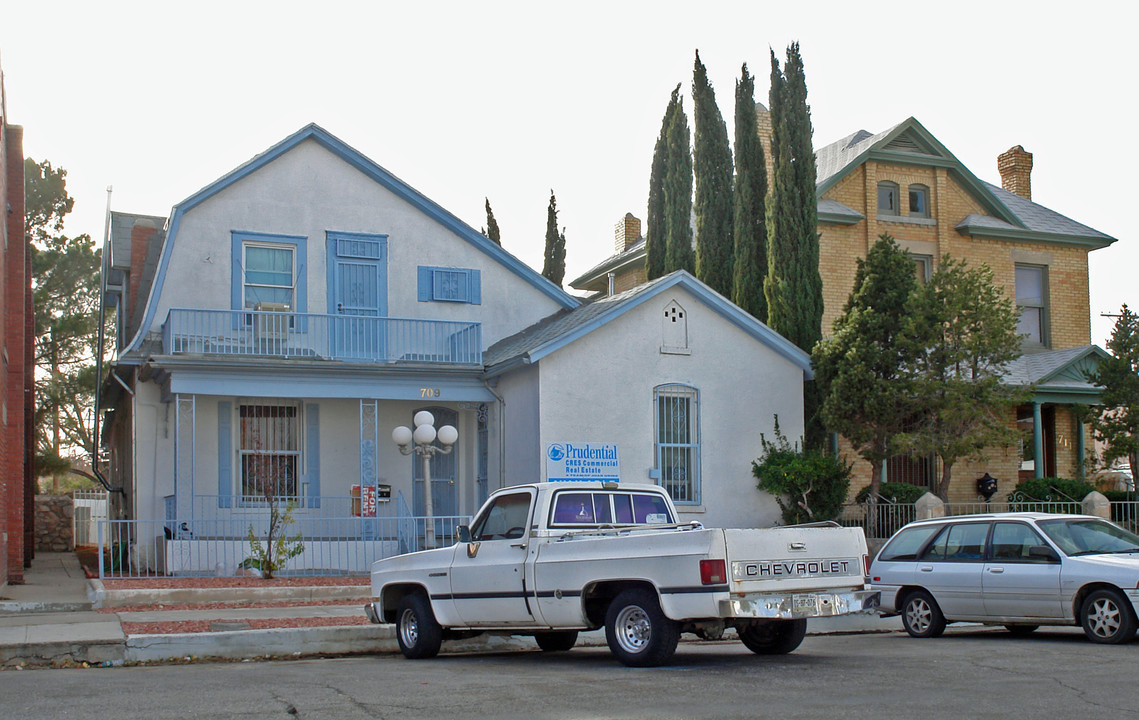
521,546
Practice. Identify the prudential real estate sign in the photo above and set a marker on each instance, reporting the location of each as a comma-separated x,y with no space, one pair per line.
567,461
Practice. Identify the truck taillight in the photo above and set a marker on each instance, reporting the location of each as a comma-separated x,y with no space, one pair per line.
866,563
713,572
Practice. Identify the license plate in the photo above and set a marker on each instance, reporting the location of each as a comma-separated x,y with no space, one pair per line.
805,602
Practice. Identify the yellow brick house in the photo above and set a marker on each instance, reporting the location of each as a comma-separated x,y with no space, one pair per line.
905,182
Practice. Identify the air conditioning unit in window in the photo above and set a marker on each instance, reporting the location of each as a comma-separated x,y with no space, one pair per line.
270,322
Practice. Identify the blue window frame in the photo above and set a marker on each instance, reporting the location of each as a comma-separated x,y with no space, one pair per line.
442,284
677,416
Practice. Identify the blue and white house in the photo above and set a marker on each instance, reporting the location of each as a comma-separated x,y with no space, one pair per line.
282,321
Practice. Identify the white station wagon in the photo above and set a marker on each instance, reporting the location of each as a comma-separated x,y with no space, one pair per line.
1020,570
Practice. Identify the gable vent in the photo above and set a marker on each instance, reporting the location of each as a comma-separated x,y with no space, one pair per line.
906,143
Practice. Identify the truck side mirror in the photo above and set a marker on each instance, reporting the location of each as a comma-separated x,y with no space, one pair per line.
464,533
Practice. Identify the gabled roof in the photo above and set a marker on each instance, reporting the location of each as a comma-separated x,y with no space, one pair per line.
1058,375
1038,223
373,171
560,329
632,254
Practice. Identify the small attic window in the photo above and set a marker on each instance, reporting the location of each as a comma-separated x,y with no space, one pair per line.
919,201
674,330
888,198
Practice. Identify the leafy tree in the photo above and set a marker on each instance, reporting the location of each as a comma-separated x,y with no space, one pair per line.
554,267
712,158
1116,420
491,229
65,286
678,254
961,334
793,285
749,226
809,486
656,235
861,370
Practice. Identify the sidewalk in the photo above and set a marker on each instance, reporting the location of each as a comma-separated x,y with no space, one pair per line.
52,620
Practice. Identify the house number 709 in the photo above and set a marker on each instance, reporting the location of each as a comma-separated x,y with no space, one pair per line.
429,392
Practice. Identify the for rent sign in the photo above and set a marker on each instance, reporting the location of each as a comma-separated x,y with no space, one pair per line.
582,461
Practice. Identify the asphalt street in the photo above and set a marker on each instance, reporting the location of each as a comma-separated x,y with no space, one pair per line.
971,672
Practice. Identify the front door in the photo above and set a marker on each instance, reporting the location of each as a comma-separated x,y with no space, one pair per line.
357,287
444,479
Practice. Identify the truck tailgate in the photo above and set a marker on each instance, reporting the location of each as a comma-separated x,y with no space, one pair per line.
803,558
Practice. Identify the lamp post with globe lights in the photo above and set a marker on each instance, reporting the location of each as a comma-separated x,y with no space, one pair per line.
420,441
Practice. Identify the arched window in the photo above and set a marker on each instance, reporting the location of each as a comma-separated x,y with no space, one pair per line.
677,415
919,201
888,198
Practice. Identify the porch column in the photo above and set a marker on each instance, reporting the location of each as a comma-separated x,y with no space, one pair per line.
185,408
1037,441
1081,450
369,459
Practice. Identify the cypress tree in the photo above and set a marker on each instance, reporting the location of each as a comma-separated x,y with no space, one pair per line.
713,168
678,196
554,267
794,287
655,235
491,226
749,195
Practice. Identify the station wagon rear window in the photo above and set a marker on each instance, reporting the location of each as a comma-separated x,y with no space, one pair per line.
589,509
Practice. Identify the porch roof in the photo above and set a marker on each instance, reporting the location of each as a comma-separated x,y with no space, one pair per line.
1059,376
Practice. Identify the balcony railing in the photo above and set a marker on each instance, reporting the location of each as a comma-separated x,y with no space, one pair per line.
328,337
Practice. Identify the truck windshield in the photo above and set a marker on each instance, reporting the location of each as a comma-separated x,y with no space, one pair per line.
591,509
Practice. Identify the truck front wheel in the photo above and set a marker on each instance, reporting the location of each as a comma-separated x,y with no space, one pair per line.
418,633
778,637
637,630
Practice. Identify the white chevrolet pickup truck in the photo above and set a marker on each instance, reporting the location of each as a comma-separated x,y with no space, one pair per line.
552,559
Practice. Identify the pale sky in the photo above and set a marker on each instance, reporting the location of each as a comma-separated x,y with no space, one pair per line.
508,100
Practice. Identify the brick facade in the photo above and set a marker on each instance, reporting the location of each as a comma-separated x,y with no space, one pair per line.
16,478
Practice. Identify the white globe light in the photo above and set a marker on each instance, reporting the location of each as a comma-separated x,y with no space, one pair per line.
448,435
424,418
402,435
424,435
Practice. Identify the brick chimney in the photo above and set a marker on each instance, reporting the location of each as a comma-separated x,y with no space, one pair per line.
141,235
763,121
626,233
1015,167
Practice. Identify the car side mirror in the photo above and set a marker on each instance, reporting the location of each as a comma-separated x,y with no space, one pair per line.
464,533
1043,552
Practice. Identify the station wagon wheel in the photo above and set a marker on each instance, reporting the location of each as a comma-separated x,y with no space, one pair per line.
556,640
1107,617
637,630
921,616
778,637
418,633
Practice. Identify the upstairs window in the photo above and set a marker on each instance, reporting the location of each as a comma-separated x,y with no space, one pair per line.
269,273
888,198
919,201
1032,302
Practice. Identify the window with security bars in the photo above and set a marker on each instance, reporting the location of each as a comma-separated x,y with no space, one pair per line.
270,456
678,441
920,470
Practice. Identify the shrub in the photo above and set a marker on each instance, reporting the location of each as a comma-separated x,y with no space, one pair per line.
1051,490
809,485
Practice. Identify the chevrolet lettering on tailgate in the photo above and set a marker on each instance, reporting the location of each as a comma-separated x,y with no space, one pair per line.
772,569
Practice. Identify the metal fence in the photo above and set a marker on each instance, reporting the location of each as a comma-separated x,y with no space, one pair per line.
90,510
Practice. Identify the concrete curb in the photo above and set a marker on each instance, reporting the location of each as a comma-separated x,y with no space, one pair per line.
101,597
24,607
63,652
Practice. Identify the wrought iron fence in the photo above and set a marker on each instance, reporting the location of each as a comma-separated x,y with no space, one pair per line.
221,546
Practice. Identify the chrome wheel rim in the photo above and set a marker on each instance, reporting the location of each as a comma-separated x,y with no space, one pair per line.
409,628
634,630
1104,618
919,616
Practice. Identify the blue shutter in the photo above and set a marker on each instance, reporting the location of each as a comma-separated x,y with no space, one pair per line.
425,276
312,453
475,287
225,454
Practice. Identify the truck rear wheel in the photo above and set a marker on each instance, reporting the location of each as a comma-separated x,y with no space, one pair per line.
416,630
637,630
556,640
777,637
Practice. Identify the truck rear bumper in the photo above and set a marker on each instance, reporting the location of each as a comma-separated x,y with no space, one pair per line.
773,606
